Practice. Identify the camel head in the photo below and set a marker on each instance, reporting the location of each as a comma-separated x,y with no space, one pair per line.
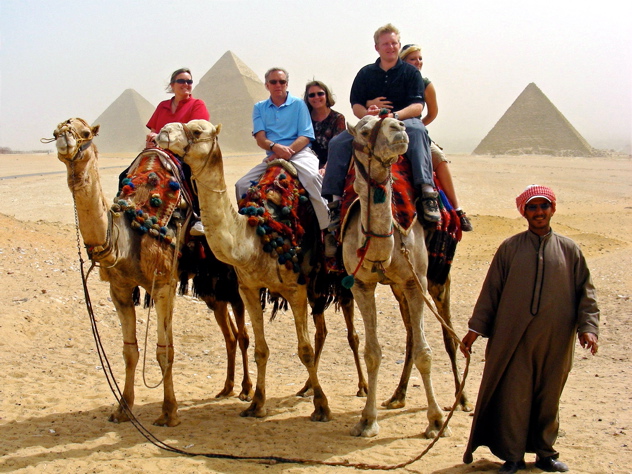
193,140
72,137
384,143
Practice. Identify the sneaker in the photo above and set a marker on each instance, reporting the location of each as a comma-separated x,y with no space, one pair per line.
331,244
466,224
430,206
334,216
197,229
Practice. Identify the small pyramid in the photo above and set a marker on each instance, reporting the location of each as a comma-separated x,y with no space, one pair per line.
122,124
533,125
230,89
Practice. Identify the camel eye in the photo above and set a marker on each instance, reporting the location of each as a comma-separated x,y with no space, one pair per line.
197,133
85,134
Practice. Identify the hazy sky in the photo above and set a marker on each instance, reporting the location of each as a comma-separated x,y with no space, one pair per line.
61,59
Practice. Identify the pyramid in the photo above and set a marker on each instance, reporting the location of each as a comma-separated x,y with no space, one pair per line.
230,89
533,125
123,124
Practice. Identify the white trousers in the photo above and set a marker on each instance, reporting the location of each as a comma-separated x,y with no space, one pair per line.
306,164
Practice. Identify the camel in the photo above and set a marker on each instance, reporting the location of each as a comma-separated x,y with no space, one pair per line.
128,260
236,243
381,255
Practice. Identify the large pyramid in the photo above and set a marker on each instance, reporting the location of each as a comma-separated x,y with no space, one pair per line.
230,90
123,124
533,125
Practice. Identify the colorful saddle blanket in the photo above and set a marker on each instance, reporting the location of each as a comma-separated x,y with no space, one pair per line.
275,206
151,192
402,201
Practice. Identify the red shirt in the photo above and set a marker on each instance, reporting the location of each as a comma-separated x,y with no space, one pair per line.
188,109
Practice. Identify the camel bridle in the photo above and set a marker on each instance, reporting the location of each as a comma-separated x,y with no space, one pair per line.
64,129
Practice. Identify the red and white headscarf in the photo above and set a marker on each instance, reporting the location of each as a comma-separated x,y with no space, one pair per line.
535,191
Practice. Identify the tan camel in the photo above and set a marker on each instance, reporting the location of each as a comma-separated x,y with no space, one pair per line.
128,260
378,254
236,243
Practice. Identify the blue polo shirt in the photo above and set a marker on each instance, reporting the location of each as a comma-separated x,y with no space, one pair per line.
401,84
282,124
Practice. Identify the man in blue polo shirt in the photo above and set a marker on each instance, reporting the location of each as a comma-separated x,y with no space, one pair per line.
391,84
282,127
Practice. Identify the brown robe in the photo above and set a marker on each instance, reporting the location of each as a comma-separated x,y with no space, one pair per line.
537,295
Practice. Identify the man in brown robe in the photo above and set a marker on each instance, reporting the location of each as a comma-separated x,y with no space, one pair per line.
537,295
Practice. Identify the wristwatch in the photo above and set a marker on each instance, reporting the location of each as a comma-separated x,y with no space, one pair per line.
395,115
272,145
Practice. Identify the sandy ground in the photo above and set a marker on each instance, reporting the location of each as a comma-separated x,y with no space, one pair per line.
54,400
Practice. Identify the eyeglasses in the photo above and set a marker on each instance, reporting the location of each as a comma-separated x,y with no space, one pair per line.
280,81
184,81
311,95
534,207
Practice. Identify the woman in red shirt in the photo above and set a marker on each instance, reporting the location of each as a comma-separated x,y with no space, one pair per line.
180,108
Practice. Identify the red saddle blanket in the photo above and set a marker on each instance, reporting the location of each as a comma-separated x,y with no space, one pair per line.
151,192
402,200
275,206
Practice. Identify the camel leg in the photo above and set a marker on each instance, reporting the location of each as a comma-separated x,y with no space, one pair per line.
422,355
220,310
398,399
262,352
165,354
319,342
244,341
364,294
354,343
297,300
441,297
122,299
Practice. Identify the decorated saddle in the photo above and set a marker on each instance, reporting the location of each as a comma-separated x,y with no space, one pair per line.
442,237
277,207
153,193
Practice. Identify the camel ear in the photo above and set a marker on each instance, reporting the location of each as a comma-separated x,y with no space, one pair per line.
351,129
95,130
218,127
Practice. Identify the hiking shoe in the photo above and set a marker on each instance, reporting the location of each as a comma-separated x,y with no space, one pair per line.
197,229
331,244
334,216
466,224
430,206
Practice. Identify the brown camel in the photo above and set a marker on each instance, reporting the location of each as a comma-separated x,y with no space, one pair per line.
378,254
128,260
235,242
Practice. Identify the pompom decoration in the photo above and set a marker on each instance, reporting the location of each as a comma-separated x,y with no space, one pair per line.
174,185
379,195
348,282
155,201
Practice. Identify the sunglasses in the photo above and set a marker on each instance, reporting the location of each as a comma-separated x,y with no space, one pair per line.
311,95
534,207
280,81
184,81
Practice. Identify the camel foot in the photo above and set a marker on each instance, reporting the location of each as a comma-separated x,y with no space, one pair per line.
433,429
167,419
321,414
225,393
254,411
464,406
305,392
246,395
394,403
119,416
366,429
362,392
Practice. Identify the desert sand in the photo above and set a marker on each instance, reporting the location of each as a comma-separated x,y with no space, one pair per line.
54,399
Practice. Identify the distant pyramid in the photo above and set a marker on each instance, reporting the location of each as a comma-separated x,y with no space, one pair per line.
230,89
533,125
123,124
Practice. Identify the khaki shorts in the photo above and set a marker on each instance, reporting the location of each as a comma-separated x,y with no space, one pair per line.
437,155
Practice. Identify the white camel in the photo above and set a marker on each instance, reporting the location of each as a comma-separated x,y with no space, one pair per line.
235,242
376,253
128,260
